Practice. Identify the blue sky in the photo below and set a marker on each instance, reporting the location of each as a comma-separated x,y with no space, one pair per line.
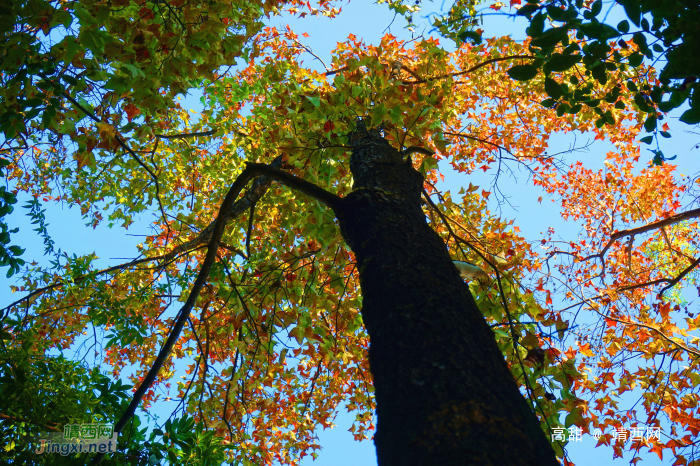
369,22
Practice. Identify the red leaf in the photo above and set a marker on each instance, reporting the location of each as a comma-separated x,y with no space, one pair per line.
131,111
658,449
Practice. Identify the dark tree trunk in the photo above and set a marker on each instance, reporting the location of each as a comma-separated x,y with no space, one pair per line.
444,393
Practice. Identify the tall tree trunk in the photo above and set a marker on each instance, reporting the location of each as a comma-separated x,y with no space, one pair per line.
444,393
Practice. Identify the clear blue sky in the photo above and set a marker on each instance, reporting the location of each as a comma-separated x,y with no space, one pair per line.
370,22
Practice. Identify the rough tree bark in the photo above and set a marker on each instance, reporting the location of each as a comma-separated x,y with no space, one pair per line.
444,393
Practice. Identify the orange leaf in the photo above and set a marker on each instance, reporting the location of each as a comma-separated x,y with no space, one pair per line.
658,449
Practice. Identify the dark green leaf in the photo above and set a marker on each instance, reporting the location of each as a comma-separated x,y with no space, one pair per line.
650,124
550,37
473,35
623,26
16,250
639,39
536,25
633,9
691,117
553,88
665,134
641,102
527,10
523,72
557,14
647,139
560,62
645,24
599,31
609,118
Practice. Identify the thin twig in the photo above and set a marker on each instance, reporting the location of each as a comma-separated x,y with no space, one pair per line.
186,135
130,151
473,68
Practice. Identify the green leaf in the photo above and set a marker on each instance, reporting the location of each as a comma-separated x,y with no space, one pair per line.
562,109
16,250
523,72
316,101
635,59
599,31
633,9
378,113
623,26
650,124
641,102
639,39
473,35
560,62
527,10
536,25
550,37
557,14
665,134
691,117
553,88
134,70
647,139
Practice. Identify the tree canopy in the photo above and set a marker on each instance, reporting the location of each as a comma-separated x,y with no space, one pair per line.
250,279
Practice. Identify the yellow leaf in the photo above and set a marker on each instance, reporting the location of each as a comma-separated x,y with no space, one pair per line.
105,129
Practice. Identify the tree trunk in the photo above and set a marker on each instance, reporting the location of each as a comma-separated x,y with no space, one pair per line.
444,393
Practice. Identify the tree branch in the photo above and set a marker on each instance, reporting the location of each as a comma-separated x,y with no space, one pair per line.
649,327
310,189
251,170
680,276
484,141
645,228
252,195
28,421
186,135
473,68
77,280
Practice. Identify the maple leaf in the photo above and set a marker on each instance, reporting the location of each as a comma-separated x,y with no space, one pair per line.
658,449
131,111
